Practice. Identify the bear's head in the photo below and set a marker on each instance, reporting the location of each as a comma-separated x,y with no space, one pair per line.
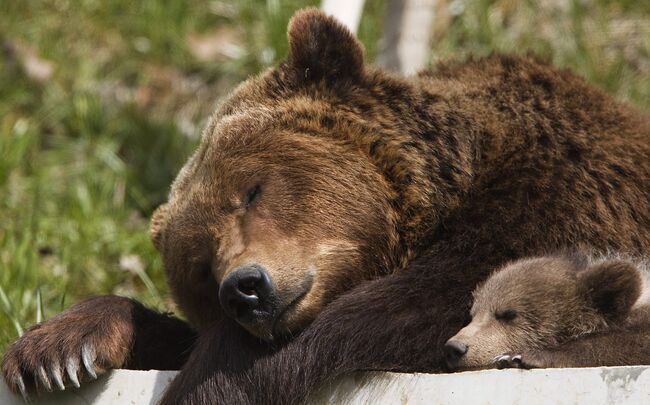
541,302
284,206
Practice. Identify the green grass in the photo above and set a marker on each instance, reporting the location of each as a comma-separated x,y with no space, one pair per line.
88,153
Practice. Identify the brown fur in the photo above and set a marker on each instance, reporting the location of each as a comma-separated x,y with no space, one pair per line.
384,202
543,302
111,328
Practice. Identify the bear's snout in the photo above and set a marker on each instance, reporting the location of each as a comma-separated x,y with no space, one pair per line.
454,351
247,295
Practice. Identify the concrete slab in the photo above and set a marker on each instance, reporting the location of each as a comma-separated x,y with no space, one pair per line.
119,387
592,386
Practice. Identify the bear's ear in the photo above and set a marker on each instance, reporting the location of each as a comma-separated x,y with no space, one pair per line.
157,224
611,287
321,48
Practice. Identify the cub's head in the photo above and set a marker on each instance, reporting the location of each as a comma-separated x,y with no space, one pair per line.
281,207
540,302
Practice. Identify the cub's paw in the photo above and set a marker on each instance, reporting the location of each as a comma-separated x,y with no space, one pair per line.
72,347
515,360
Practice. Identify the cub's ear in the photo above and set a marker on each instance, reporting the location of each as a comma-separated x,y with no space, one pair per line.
321,48
612,287
157,225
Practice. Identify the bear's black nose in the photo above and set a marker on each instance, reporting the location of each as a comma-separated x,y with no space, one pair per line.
247,295
454,350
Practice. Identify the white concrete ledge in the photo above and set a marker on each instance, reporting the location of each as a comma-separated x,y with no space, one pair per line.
592,386
119,387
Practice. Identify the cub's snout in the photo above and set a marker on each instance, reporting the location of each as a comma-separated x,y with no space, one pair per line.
454,351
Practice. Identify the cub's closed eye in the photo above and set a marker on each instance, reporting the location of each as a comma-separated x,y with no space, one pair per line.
505,315
252,195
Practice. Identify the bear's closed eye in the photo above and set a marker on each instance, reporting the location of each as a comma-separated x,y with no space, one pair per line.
505,315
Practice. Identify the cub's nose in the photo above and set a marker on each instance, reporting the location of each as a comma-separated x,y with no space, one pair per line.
454,350
247,294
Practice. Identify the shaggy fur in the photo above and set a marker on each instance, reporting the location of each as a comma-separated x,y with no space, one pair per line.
540,303
384,202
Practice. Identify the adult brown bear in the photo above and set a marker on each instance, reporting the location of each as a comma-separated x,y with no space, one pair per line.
337,218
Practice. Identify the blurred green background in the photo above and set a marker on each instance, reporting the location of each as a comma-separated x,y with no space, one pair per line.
101,101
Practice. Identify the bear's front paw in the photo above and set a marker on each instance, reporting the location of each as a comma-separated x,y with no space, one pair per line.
515,360
74,346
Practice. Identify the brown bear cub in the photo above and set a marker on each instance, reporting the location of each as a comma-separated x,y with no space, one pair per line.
543,311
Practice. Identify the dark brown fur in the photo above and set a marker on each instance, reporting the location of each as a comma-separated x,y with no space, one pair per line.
118,332
427,183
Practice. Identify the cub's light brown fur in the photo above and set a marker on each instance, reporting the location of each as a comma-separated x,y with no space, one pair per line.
551,300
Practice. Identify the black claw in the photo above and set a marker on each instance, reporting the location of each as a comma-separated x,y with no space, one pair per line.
43,380
57,377
21,387
88,358
72,367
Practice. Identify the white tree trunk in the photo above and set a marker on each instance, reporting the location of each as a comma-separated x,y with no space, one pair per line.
346,11
405,44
